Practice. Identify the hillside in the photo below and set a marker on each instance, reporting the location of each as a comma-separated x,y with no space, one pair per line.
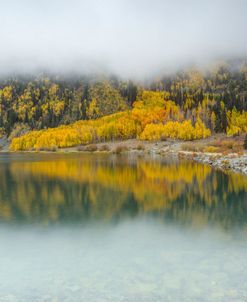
216,99
153,117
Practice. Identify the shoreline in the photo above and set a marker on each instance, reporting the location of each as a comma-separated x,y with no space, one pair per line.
193,150
231,162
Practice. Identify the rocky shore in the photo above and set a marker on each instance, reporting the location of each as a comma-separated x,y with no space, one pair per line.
234,162
230,155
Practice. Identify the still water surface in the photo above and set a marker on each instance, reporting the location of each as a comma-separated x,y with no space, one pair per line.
118,228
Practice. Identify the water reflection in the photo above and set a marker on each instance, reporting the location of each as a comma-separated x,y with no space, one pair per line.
78,228
81,188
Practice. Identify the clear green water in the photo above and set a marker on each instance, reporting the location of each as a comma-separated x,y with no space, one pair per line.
118,228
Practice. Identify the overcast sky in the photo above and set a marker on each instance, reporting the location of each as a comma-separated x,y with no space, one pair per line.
131,37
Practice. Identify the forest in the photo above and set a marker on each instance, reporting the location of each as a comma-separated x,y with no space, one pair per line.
44,110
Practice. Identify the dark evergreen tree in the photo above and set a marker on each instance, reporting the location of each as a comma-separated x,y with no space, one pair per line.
245,142
224,123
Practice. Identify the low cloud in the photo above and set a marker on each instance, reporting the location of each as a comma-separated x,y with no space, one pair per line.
127,37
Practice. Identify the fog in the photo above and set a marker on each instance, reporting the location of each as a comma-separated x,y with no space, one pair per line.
127,37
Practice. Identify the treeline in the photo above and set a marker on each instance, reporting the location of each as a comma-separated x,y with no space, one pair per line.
153,117
151,109
39,102
44,102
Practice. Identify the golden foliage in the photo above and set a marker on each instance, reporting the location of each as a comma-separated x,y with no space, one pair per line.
237,122
181,130
151,118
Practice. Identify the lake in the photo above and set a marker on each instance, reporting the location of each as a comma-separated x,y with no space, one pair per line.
77,227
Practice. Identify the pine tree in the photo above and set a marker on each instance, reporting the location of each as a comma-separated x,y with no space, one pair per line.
245,142
224,123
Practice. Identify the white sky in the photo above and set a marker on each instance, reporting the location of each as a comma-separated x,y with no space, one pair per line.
130,37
